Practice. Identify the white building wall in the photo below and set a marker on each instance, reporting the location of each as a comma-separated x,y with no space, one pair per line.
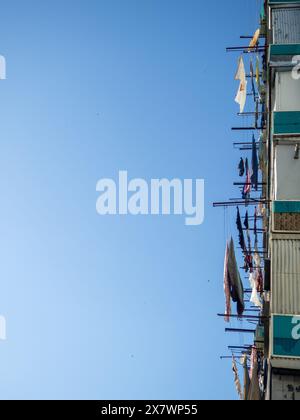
287,174
287,92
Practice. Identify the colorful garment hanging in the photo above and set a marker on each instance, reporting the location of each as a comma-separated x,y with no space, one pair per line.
246,221
248,263
247,187
254,391
241,167
249,259
254,40
241,232
255,224
227,287
256,113
260,281
253,360
261,210
257,73
256,257
254,176
255,298
241,72
241,95
236,378
248,254
233,286
237,289
246,378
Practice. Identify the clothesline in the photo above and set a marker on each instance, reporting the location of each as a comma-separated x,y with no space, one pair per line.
250,202
251,37
244,316
247,143
240,330
253,230
250,77
247,128
246,50
237,184
252,310
250,114
245,347
230,357
247,199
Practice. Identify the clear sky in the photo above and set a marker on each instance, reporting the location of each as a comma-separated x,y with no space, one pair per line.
115,307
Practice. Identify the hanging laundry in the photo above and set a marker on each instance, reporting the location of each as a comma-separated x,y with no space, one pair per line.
241,72
255,248
246,377
237,289
256,113
257,72
241,167
254,40
260,281
253,360
261,210
255,228
248,263
236,378
227,286
246,221
247,187
255,223
256,257
233,286
241,232
255,298
254,177
254,391
257,279
252,75
248,260
241,95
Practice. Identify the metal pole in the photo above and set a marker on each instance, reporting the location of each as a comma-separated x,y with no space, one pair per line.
238,330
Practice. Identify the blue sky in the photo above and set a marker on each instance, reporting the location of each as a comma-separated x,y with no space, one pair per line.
115,307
